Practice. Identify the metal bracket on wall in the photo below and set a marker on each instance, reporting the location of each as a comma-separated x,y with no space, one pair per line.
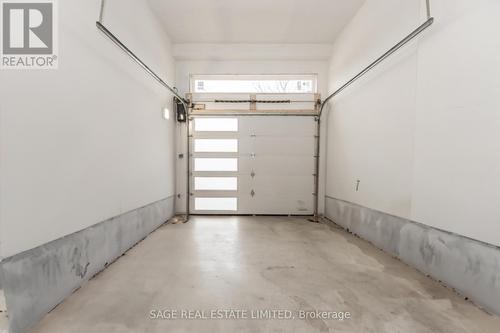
253,102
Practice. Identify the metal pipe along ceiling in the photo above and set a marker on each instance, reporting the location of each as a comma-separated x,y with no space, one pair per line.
122,46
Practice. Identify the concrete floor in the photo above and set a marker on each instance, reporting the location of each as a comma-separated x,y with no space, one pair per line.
259,263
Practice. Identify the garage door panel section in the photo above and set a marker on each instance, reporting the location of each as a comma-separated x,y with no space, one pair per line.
277,146
300,186
278,126
290,194
277,165
273,185
293,206
280,204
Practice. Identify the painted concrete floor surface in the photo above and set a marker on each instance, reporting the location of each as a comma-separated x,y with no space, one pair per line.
247,267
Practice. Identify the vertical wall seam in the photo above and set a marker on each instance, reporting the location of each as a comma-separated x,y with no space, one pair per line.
415,116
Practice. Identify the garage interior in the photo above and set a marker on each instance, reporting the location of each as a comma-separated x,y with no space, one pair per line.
254,166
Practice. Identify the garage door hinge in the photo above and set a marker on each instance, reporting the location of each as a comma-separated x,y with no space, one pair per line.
252,193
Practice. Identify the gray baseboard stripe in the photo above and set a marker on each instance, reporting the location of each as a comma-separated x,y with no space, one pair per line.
470,267
39,279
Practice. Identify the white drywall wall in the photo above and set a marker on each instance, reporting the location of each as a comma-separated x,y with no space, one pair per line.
370,129
85,142
421,131
186,67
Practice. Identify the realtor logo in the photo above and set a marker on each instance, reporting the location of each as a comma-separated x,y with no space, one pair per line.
28,34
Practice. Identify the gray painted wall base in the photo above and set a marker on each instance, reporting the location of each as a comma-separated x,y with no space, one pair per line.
3,312
37,280
469,266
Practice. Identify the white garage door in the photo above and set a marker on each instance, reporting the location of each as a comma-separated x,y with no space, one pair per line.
252,164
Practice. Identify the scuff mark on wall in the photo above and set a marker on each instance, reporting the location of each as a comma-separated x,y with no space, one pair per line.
4,320
79,264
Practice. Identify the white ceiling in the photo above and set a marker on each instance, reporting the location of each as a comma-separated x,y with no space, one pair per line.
254,21
241,51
